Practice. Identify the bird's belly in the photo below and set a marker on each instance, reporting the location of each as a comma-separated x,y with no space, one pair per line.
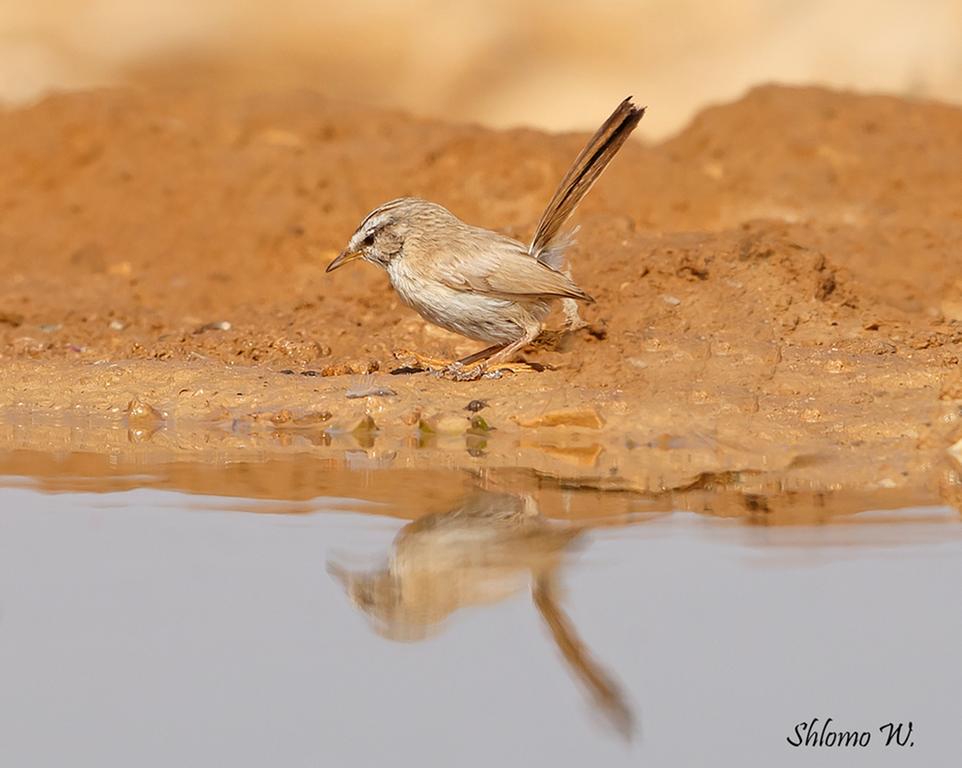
485,318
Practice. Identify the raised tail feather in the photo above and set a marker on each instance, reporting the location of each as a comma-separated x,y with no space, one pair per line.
580,178
603,689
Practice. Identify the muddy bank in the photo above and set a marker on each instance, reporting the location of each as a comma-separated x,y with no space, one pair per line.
591,480
782,276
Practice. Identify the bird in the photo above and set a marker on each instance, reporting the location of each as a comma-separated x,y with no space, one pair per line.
480,283
486,549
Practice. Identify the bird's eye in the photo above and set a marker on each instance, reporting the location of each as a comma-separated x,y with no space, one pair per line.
369,240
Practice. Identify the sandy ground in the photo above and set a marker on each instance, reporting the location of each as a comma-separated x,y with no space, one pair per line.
778,286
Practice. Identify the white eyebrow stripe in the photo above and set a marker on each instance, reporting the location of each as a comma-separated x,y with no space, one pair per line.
386,208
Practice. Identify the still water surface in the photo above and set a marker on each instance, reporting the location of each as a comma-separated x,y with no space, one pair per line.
155,628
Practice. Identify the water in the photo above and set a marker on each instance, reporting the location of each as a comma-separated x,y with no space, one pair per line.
155,628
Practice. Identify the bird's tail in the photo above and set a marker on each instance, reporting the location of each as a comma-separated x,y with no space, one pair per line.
549,242
603,689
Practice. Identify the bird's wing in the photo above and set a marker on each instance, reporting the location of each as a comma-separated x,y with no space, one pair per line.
498,266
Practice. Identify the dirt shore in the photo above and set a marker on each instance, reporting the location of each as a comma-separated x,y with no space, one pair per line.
779,284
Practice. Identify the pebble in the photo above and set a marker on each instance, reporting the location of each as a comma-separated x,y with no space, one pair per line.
956,451
140,413
14,319
221,325
445,425
834,366
574,417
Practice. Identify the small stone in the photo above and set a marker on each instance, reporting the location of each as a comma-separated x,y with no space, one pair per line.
444,424
282,417
721,348
479,425
956,451
355,424
885,348
834,366
140,434
451,425
220,325
364,425
350,367
411,418
14,319
597,331
476,405
575,417
142,414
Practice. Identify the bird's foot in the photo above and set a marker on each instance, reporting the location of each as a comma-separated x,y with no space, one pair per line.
573,319
412,362
516,367
459,372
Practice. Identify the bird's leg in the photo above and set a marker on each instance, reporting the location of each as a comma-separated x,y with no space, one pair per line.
573,320
502,358
416,361
484,354
498,361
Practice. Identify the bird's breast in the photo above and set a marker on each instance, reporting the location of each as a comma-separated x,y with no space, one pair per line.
475,315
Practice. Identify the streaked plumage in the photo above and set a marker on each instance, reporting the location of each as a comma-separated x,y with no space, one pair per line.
476,282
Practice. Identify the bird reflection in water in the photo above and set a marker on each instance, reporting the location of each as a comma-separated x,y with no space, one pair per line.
486,549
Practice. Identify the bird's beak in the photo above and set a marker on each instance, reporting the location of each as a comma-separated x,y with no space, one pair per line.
343,258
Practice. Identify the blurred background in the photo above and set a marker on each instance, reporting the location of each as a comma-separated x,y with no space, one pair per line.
555,64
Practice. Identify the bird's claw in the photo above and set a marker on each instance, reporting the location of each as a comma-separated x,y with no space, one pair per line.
412,362
459,372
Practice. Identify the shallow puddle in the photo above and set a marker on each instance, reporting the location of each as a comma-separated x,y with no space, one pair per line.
451,617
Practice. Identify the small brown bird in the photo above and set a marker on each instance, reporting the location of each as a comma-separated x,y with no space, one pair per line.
483,551
476,282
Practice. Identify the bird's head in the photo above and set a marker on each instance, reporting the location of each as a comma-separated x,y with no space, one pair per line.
380,237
